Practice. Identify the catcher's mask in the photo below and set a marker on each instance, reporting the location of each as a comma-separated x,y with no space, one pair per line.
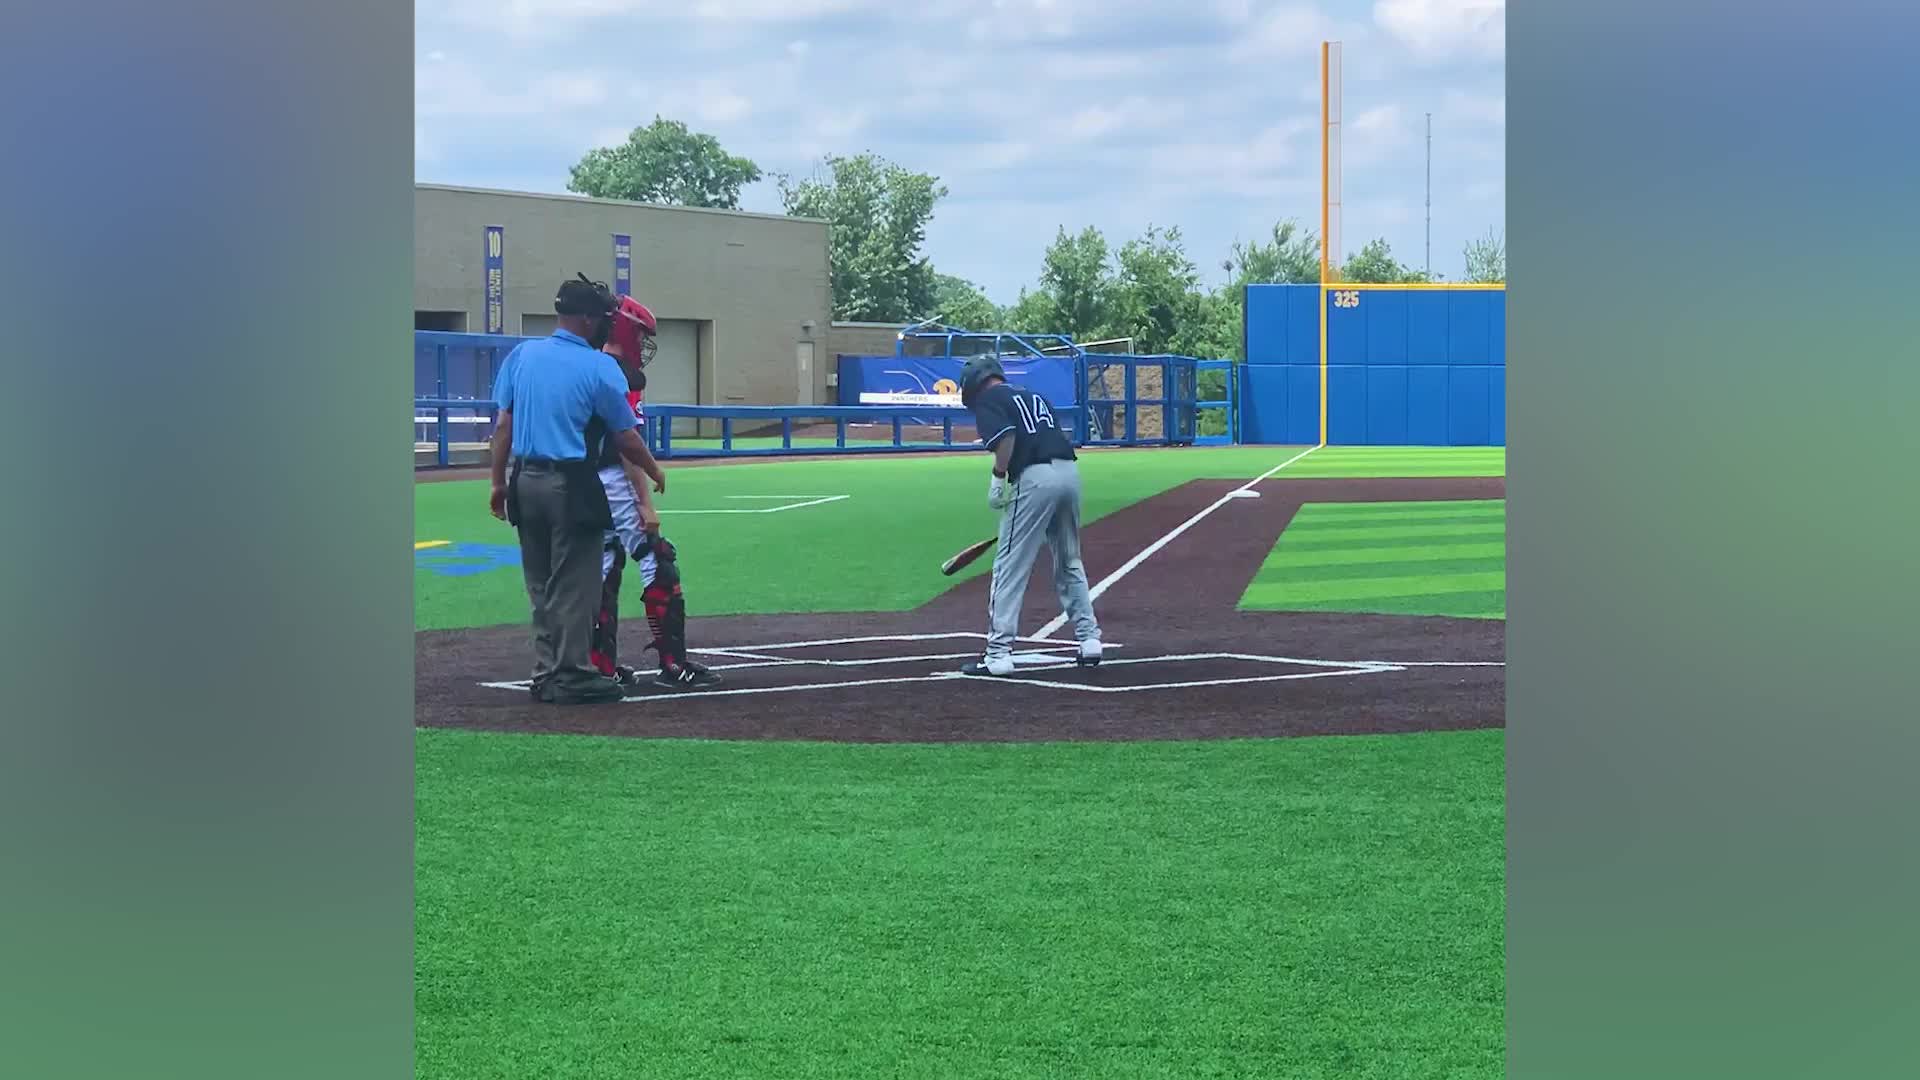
975,374
582,296
634,330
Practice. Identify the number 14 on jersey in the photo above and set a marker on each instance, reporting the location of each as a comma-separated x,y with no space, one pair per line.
1033,412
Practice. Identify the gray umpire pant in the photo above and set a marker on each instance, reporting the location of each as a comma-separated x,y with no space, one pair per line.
561,561
1045,510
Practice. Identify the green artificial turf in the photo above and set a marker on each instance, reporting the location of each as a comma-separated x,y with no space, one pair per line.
1423,558
1309,908
877,550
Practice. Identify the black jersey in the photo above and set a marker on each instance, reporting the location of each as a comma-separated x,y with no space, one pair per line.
1005,411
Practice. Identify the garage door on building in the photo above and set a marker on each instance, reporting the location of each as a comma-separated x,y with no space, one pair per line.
673,378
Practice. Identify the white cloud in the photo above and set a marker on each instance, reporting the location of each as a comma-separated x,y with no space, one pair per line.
715,104
1292,32
1233,12
611,136
447,90
776,10
1112,113
1000,155
1463,108
1444,29
838,123
1134,114
1374,135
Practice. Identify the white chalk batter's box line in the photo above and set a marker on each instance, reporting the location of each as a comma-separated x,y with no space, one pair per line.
1050,657
788,502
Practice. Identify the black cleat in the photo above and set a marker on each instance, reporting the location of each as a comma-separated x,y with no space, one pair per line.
686,675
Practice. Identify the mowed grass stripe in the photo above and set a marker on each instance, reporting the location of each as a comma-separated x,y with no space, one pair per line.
1358,555
1362,534
1398,511
1437,569
1403,461
1425,558
1485,604
1398,521
1368,470
1415,542
1294,589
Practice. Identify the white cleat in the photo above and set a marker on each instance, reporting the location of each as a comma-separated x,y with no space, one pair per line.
1089,653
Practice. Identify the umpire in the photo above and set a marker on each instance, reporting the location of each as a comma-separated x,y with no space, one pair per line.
560,398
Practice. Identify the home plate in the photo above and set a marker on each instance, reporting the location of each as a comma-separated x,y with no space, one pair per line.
1037,658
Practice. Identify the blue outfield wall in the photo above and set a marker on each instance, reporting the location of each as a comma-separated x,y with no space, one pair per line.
1405,367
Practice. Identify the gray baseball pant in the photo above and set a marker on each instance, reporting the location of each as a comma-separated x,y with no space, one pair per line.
1045,510
561,563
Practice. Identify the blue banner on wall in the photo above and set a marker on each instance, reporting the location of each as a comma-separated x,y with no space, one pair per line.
935,380
622,265
496,264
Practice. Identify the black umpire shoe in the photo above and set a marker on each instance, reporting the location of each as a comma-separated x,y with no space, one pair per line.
685,675
599,692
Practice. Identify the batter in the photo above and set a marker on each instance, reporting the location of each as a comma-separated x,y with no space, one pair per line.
1036,488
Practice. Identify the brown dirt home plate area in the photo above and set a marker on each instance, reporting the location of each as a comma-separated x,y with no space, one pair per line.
1181,662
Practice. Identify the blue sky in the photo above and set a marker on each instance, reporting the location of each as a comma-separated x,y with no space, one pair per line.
1034,113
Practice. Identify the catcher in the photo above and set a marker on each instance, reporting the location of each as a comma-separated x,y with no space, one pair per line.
636,535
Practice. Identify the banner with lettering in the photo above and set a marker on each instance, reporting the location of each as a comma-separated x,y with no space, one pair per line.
496,279
622,264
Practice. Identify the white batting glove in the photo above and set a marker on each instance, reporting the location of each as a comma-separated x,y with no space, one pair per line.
999,494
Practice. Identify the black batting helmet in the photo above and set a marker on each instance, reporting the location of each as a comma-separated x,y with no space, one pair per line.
976,372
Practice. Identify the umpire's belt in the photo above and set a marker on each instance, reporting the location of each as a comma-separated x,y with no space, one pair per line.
547,464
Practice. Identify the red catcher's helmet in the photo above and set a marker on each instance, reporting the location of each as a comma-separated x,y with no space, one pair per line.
634,328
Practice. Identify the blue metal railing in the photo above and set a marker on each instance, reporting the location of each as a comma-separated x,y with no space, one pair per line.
1092,421
894,419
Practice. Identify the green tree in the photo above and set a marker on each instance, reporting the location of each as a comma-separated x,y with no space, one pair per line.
959,302
1375,264
1214,332
1155,297
1291,257
1076,280
665,163
1487,258
878,214
1032,313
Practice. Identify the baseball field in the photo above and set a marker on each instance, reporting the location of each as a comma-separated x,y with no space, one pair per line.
1266,838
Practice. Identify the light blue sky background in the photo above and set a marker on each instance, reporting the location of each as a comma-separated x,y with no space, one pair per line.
1034,113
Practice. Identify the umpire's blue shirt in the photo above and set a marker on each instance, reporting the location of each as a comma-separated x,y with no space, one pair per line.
553,386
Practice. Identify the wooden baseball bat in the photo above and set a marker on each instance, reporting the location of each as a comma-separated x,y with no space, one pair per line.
966,556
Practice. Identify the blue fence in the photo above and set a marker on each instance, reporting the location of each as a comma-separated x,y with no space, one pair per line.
784,430
1405,366
898,405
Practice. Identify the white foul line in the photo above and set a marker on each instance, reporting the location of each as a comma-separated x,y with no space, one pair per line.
811,500
1143,554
